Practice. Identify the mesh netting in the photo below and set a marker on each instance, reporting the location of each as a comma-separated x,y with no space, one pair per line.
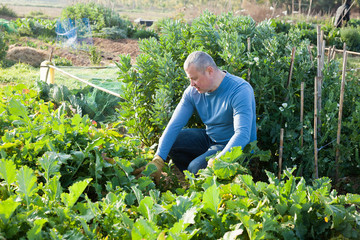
73,33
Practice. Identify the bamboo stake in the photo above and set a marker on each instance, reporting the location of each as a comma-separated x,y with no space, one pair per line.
320,35
249,49
302,114
322,55
281,151
315,129
349,52
311,57
309,8
299,7
291,66
334,53
330,52
341,103
318,50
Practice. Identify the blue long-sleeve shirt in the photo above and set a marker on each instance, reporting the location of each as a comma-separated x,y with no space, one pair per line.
228,114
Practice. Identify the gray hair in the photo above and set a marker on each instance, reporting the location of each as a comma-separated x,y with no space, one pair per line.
201,61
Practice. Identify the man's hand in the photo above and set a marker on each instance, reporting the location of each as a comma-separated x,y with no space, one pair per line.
211,162
159,164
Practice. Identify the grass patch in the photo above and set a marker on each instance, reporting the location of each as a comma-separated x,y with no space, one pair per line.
19,73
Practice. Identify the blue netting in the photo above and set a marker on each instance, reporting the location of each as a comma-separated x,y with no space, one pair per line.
74,33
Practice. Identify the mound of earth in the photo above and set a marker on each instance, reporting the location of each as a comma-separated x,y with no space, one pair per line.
27,55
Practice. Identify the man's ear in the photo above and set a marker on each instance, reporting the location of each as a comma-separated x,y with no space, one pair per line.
210,70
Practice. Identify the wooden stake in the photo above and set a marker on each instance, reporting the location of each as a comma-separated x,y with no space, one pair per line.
311,57
318,57
315,129
341,103
309,8
334,53
320,36
291,66
281,151
249,49
302,114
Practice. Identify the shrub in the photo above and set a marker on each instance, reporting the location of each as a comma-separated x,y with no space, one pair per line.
5,11
351,36
112,33
95,55
36,27
139,32
100,17
3,46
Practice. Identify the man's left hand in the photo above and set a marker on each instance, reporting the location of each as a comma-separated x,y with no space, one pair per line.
211,162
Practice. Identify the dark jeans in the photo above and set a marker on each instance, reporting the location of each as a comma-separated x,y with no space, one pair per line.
191,148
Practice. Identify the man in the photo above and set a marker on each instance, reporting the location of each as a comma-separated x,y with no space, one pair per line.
225,104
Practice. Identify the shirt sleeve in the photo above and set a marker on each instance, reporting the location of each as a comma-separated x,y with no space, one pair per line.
243,114
179,119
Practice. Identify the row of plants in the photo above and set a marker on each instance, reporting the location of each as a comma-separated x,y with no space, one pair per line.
332,35
64,176
104,23
155,83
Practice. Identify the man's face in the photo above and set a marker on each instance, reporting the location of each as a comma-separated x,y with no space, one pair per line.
202,81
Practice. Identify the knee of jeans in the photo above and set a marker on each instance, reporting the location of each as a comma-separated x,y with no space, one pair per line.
192,169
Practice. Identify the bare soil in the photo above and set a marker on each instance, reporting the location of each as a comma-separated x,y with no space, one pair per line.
108,49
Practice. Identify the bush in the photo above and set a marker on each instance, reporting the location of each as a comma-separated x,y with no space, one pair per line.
99,16
5,11
3,47
112,33
36,27
351,36
141,33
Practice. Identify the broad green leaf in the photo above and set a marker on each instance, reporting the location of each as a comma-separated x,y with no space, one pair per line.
149,209
17,108
26,182
178,228
250,225
69,199
225,170
53,188
353,198
125,165
281,208
96,143
8,172
233,155
150,169
180,207
232,235
35,232
143,229
49,163
189,215
138,194
7,208
211,200
249,183
9,145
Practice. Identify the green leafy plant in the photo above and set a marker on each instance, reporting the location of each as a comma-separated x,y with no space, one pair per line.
6,11
95,55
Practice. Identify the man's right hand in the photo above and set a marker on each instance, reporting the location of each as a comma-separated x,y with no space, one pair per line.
159,164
